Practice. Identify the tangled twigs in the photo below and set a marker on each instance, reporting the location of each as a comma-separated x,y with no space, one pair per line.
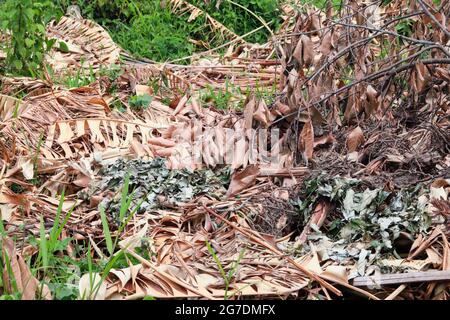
389,71
361,65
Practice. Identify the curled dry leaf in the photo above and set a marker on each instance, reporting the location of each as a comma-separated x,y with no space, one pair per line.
304,53
282,108
317,219
28,169
419,77
372,98
142,89
325,45
91,287
308,51
243,180
18,274
162,142
306,141
248,113
326,139
262,114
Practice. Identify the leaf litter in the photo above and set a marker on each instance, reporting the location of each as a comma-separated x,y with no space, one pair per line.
360,189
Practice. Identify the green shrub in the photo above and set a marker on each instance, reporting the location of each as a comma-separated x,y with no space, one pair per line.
158,36
241,21
25,21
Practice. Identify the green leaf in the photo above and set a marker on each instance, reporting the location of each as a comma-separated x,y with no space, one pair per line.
40,28
63,47
125,200
43,245
53,232
28,12
29,42
2,228
17,64
49,43
106,232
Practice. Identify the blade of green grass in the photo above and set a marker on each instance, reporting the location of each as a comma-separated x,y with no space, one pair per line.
236,264
9,271
106,232
2,228
90,270
43,245
125,200
107,269
53,233
130,216
216,259
62,225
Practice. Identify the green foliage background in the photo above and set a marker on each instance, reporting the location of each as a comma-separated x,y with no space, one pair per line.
26,20
146,28
149,29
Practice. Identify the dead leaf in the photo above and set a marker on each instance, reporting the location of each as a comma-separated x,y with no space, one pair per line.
326,139
20,274
308,52
306,141
143,89
354,139
242,180
91,287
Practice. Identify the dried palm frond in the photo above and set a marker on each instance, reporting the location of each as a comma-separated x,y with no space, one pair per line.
88,44
23,84
183,266
99,134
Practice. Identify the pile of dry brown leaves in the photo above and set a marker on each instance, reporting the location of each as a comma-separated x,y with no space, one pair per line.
355,98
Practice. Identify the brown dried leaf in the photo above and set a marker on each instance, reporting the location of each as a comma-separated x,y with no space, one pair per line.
20,274
143,89
372,98
248,113
242,180
161,142
325,45
326,139
91,286
355,139
317,218
306,141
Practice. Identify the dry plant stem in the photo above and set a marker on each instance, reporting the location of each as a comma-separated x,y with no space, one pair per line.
168,276
391,70
339,55
255,238
361,42
396,292
353,288
395,34
293,34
